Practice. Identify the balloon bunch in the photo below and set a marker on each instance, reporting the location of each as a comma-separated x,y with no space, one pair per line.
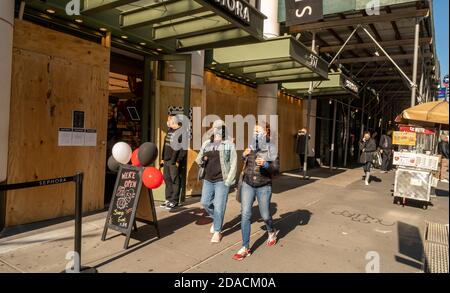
143,156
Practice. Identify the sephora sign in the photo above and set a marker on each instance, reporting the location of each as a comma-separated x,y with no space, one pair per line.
237,8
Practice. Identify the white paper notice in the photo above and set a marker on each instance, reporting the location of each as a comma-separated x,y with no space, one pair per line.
65,137
78,136
90,137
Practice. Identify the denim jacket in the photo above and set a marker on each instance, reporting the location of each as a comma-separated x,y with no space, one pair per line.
228,160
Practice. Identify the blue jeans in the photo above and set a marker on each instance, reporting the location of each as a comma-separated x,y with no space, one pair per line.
248,194
214,200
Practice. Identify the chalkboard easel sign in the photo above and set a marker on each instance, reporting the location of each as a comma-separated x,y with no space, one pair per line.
124,203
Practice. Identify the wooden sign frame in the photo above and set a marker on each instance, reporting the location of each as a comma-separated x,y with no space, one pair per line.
133,219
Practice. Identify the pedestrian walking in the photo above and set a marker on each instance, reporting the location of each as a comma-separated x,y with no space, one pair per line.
261,164
368,147
300,146
218,158
386,149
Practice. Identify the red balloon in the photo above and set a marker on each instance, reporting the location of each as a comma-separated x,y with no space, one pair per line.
135,159
152,178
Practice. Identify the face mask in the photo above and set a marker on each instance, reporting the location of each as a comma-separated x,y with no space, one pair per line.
217,132
260,137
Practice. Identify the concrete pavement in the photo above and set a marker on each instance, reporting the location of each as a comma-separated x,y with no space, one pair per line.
329,223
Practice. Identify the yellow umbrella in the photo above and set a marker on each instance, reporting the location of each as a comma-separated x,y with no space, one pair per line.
434,112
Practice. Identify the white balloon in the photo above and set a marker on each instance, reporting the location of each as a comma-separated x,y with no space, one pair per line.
122,152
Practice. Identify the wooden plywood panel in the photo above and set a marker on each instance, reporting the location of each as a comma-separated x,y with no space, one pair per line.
49,81
290,121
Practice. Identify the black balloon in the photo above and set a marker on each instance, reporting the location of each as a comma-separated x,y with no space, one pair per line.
113,165
147,153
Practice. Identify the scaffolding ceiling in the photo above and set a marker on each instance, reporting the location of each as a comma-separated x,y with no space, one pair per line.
361,59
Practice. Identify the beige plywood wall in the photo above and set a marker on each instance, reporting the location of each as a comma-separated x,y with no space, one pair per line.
54,74
289,122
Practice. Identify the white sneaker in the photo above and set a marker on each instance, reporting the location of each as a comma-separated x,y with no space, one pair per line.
367,183
216,238
211,230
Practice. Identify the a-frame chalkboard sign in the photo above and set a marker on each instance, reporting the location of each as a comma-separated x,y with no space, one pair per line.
124,203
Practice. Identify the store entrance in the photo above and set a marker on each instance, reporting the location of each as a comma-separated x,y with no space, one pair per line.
124,108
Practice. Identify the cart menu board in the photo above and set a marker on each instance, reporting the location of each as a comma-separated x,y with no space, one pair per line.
404,138
413,160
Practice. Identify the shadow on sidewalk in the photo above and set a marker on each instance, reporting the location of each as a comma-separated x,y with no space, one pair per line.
287,223
410,244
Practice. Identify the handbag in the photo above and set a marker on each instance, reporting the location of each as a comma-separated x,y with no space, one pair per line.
201,171
240,182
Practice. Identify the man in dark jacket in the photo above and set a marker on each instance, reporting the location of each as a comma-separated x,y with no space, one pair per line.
300,146
386,149
368,147
172,160
443,147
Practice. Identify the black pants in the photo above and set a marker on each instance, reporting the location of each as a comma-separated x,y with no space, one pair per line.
172,179
386,163
367,166
302,160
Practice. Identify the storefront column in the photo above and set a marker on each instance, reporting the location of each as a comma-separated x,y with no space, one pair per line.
6,31
176,69
6,45
268,93
415,63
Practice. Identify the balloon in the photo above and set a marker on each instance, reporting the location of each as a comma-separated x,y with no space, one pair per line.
122,152
147,153
113,165
152,178
134,158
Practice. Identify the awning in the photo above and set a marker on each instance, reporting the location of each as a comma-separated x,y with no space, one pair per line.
434,112
337,85
272,61
167,25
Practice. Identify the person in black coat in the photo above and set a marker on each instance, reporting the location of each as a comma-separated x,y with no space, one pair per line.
300,145
443,147
386,149
368,147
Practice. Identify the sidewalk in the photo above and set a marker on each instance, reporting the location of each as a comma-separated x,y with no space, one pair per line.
327,224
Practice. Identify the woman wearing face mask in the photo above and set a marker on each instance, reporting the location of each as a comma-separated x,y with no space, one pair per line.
219,158
367,146
261,163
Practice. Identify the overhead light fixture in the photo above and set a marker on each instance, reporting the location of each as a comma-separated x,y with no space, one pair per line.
377,53
51,11
142,43
222,71
159,49
78,20
103,29
231,74
124,37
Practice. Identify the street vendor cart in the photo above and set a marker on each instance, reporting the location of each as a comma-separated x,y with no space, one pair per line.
416,158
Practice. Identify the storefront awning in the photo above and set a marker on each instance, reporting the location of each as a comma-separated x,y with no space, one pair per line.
272,61
166,25
337,85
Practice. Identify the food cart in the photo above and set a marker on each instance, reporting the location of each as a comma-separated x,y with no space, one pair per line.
418,164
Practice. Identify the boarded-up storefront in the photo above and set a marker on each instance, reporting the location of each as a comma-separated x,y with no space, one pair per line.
53,75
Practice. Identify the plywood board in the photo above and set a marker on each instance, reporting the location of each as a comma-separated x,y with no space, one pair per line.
53,74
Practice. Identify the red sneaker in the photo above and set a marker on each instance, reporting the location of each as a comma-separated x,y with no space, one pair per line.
241,254
272,239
